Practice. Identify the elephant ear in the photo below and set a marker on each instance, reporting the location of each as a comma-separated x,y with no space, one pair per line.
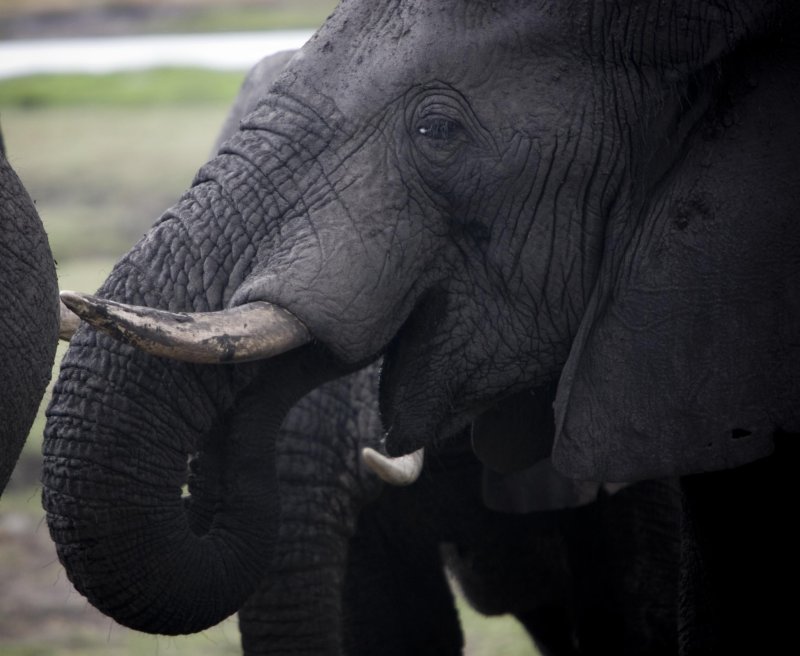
688,357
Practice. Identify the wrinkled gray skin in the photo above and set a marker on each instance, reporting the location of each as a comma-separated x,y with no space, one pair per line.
496,197
358,569
28,315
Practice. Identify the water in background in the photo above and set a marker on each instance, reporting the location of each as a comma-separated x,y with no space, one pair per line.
225,51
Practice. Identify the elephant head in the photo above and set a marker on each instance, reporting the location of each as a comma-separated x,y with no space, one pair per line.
498,198
28,315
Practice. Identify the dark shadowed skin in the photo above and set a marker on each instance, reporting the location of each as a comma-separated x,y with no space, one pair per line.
596,579
358,570
28,315
495,197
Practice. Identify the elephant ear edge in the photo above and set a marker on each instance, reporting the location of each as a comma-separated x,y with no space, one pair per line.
688,357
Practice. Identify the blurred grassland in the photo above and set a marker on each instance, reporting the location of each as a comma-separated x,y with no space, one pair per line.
163,86
103,156
287,16
176,16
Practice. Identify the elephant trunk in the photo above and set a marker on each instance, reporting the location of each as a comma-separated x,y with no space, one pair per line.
122,424
113,474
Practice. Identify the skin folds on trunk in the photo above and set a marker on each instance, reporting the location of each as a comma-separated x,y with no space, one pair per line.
118,519
122,424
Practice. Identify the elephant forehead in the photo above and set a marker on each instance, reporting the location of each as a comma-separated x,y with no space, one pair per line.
375,53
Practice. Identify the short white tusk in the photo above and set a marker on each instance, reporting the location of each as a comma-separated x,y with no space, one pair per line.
395,471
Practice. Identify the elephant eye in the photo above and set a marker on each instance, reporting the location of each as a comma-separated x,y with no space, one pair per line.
439,129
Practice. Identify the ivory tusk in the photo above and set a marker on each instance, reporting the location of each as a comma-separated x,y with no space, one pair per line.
395,471
248,332
68,322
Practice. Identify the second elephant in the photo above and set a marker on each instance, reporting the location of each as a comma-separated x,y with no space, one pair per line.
29,315
360,568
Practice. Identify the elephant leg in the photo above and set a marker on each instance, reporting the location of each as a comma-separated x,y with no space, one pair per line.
28,315
298,607
295,613
624,556
397,599
516,564
739,553
505,563
552,629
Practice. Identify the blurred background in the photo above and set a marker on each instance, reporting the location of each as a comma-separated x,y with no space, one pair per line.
108,108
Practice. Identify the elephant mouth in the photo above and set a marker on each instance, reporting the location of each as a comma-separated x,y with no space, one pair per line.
416,416
413,417
429,395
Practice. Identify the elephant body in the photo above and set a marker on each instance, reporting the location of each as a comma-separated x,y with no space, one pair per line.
581,211
28,315
362,568
597,579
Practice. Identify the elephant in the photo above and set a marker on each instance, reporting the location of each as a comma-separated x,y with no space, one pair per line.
29,314
495,199
568,576
329,590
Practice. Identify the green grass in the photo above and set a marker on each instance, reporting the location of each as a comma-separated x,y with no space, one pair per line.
493,636
197,16
100,176
309,14
130,89
115,640
104,156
